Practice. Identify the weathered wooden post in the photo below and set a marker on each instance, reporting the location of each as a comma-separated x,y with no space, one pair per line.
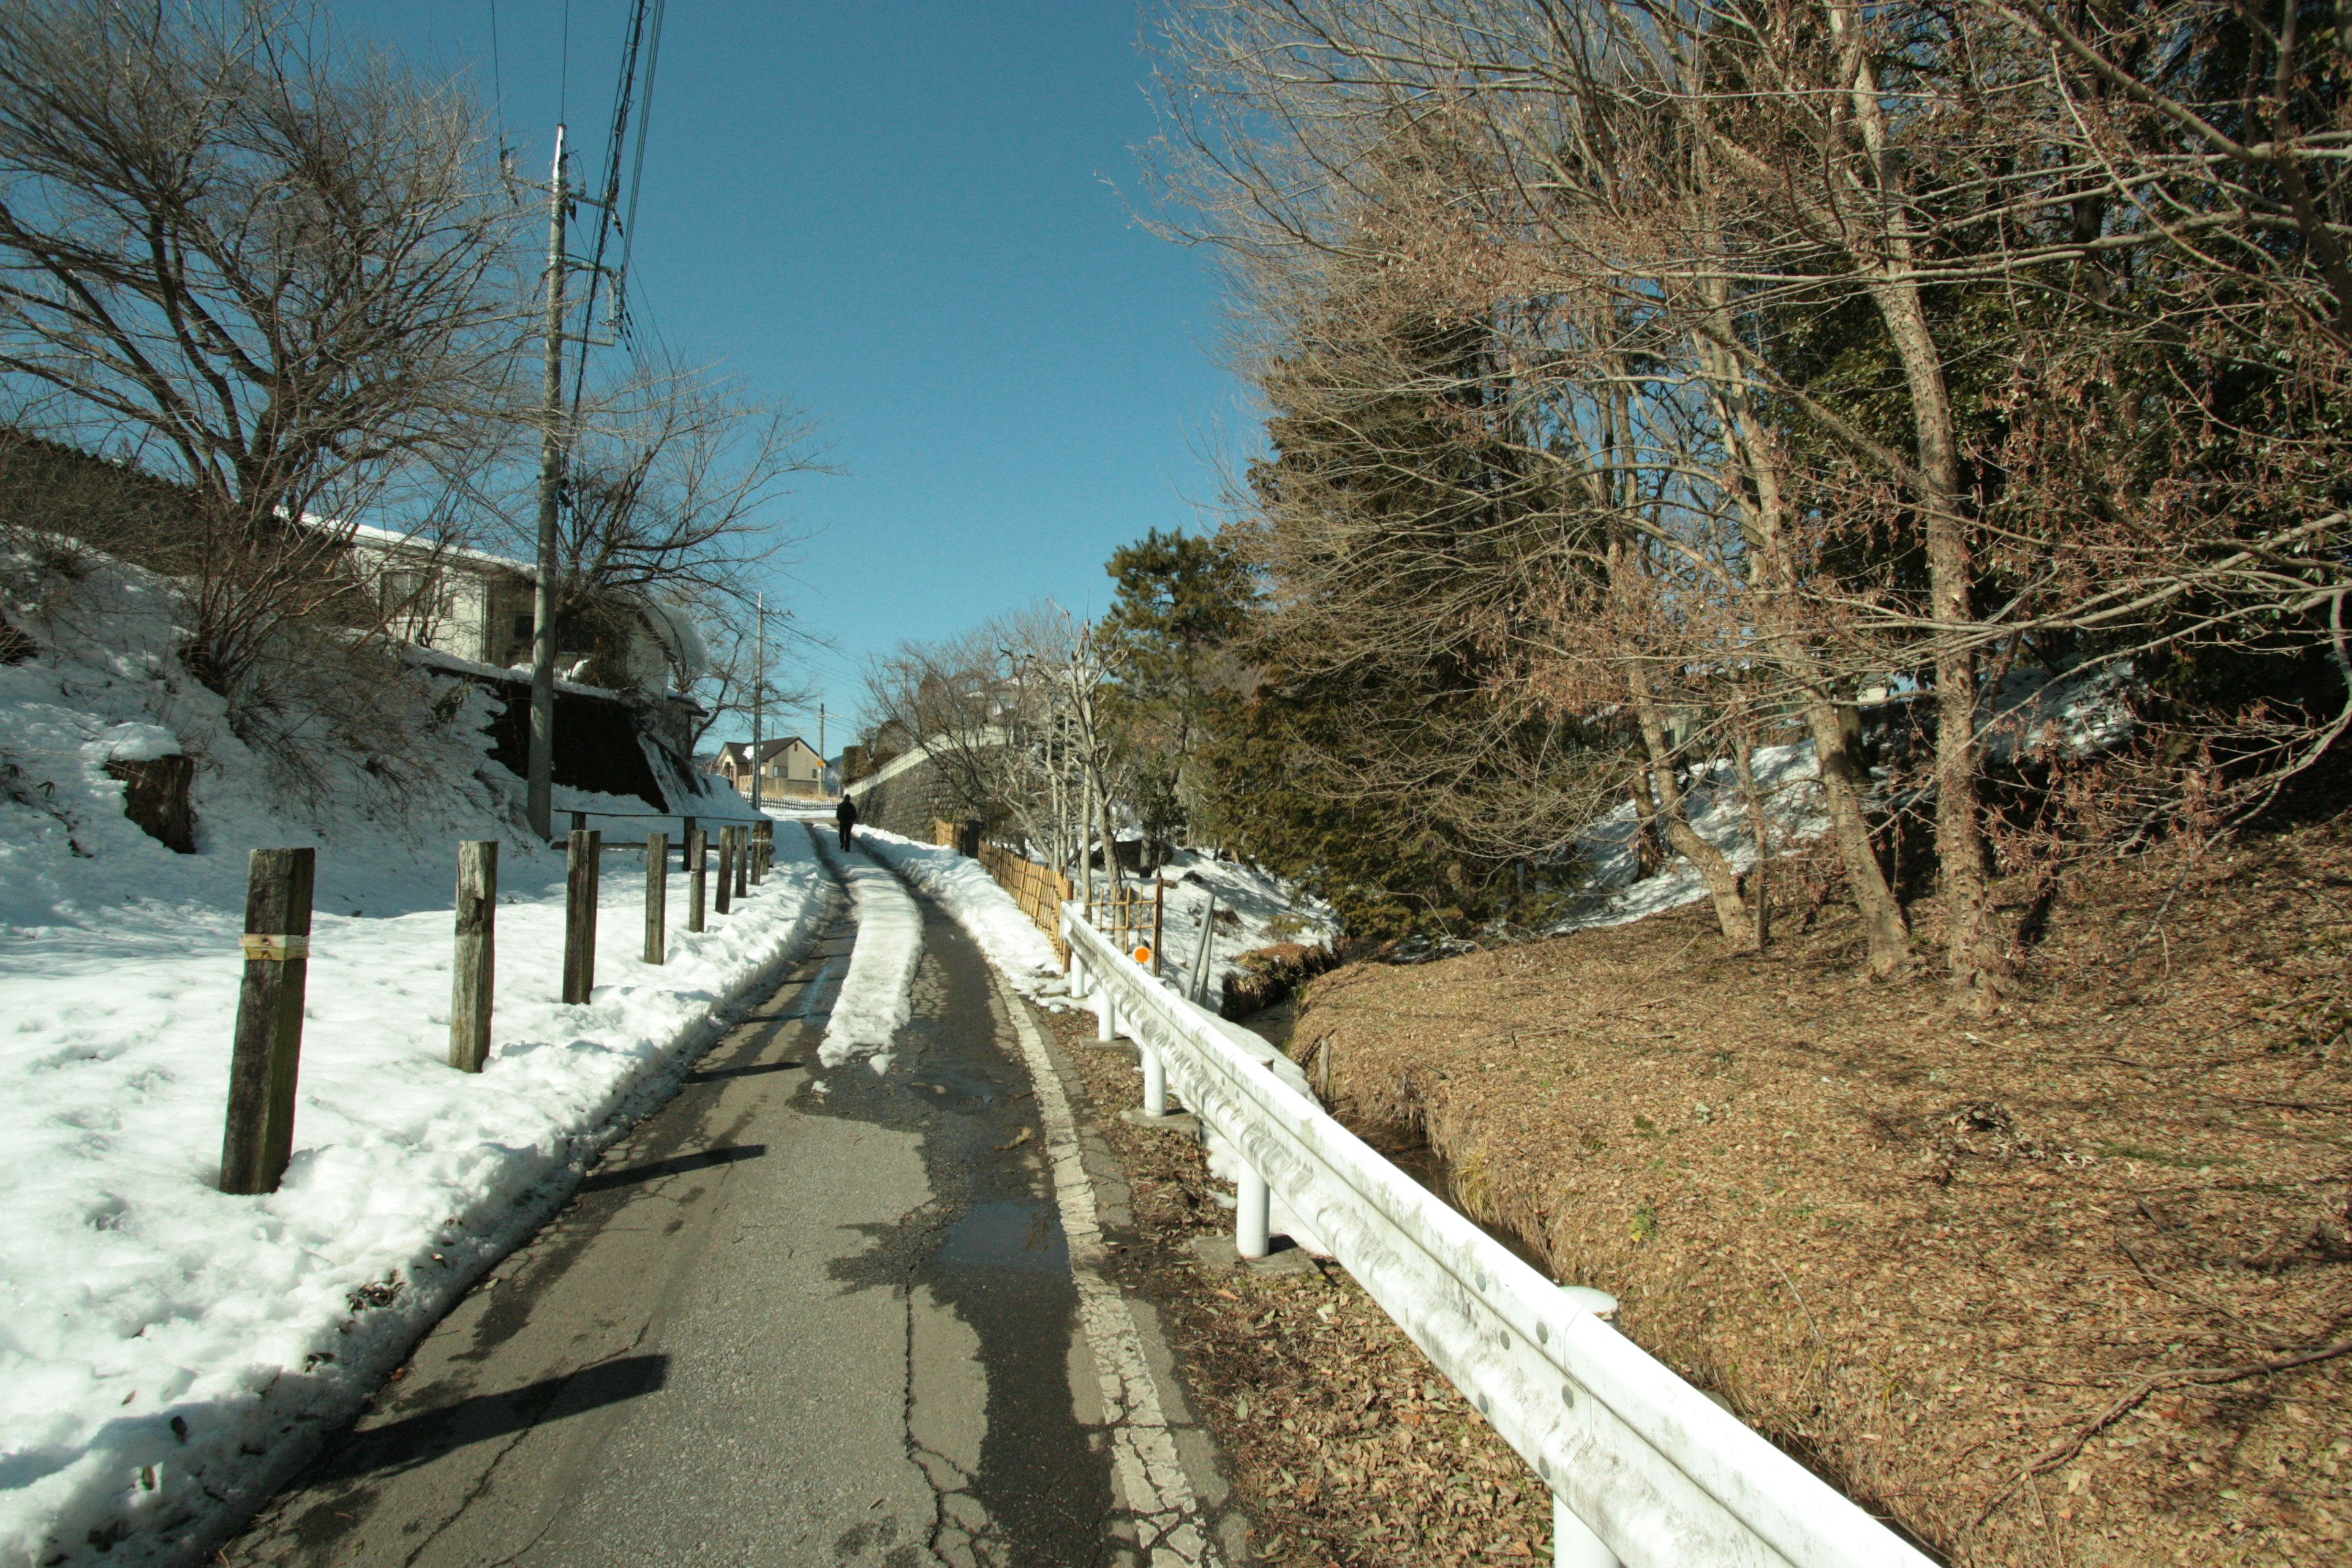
726,871
656,895
476,963
259,1138
743,862
582,862
759,853
697,864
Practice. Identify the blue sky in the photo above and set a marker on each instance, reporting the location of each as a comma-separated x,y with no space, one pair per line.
912,217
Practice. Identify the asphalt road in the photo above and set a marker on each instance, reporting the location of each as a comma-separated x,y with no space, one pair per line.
794,1317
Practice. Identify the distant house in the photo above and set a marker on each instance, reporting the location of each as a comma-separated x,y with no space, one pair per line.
474,605
789,769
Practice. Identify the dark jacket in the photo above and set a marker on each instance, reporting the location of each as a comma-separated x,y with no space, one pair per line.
845,812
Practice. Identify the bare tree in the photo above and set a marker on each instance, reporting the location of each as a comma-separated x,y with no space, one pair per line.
275,276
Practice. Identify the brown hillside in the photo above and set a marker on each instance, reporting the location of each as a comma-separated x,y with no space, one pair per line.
2073,1285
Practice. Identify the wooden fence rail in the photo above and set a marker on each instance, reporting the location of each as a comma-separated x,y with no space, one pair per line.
1040,890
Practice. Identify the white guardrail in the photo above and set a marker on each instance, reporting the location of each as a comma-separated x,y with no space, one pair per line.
1643,1468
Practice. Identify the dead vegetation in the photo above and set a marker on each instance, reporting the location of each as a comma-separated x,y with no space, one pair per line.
2066,1285
1342,1444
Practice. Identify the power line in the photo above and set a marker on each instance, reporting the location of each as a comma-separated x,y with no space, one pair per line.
624,94
637,176
497,81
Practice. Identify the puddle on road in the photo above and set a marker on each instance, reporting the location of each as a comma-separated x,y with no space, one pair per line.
1003,1234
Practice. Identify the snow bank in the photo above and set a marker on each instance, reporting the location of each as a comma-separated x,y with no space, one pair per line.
978,904
877,993
167,1353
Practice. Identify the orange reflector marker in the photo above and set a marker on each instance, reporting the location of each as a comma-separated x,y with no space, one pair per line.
1143,955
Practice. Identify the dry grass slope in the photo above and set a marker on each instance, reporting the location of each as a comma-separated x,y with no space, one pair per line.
2073,1285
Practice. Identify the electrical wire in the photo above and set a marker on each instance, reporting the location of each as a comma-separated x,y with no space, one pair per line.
637,177
498,80
624,92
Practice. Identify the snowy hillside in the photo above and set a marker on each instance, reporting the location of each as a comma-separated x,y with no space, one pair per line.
168,1351
1613,892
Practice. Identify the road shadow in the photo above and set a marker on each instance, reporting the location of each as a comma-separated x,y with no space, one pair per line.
654,1170
428,1434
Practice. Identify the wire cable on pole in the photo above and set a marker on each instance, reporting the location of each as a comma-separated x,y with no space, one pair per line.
638,178
498,80
623,94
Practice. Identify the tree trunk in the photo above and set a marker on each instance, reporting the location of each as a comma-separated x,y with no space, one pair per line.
1971,946
1722,883
1773,573
1743,752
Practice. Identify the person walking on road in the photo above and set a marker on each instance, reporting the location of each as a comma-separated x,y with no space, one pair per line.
845,814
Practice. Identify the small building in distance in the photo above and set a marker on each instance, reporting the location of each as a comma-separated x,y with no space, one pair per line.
474,605
789,769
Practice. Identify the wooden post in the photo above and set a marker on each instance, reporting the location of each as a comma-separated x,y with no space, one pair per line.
259,1138
743,862
582,862
579,822
684,844
698,865
476,963
726,871
656,895
759,854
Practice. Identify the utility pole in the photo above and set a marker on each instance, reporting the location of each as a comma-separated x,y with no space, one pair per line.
822,761
541,805
759,685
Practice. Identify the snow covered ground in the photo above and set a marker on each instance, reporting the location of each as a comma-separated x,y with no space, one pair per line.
976,902
1615,895
167,1352
1264,910
877,995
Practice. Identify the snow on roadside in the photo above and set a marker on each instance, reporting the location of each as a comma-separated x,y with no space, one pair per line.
157,1328
168,1353
978,904
877,995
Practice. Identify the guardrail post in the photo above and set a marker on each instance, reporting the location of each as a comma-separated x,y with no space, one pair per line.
724,901
1107,1011
583,858
259,1138
1573,1544
656,896
474,967
1253,1214
1155,1083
